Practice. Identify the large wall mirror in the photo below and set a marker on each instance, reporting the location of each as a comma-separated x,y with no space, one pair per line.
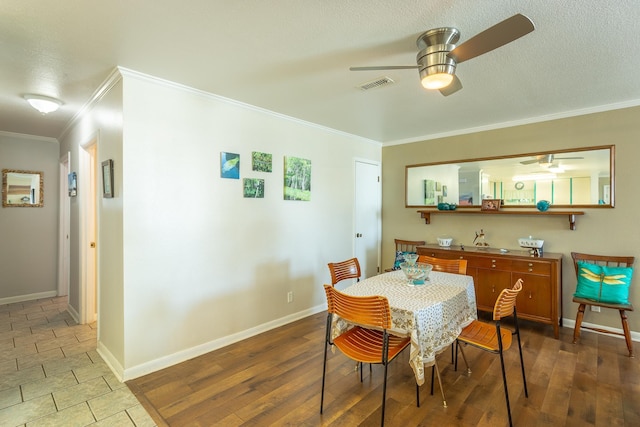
22,188
567,178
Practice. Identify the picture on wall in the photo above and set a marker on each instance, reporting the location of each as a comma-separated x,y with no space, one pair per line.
107,179
444,190
73,184
253,188
261,162
229,165
429,192
297,179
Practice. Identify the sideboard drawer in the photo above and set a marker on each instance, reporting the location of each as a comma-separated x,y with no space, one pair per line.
532,267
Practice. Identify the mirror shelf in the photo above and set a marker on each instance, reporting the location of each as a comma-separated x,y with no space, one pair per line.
426,214
571,178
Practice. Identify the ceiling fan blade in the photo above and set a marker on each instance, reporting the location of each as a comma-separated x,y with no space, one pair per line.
453,87
569,158
492,38
530,162
385,67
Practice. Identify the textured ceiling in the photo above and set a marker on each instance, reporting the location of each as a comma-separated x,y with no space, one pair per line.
293,57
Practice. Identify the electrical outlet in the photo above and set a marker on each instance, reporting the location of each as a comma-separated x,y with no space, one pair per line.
290,296
595,308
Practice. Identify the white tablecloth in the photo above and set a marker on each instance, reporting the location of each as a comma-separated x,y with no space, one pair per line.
433,313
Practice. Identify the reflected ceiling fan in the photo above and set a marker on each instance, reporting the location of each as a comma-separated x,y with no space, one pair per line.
547,159
439,55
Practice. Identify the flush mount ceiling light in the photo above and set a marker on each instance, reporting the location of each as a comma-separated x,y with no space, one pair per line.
44,104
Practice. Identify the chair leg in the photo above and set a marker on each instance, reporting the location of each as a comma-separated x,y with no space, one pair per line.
627,333
576,329
417,395
433,368
524,378
384,393
506,389
324,371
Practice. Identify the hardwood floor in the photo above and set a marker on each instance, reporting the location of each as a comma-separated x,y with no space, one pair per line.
275,379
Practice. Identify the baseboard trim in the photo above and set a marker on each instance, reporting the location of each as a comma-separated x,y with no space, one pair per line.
190,353
28,297
570,323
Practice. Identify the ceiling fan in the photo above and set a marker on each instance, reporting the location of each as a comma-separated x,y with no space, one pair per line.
547,159
439,55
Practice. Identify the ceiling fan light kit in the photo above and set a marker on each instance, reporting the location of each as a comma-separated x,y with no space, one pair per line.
439,55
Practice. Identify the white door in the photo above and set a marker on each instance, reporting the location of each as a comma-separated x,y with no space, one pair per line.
367,217
87,187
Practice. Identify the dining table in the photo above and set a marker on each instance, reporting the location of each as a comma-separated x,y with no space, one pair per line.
433,313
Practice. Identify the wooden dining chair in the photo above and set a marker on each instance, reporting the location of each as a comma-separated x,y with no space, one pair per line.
369,341
495,339
349,269
457,266
403,246
607,261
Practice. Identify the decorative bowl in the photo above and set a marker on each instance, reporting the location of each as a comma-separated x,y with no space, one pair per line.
417,273
445,242
410,258
543,205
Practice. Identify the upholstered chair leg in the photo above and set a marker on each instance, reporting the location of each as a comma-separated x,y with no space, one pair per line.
576,329
627,333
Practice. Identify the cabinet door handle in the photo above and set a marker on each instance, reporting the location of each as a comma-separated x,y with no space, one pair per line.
530,296
530,270
493,289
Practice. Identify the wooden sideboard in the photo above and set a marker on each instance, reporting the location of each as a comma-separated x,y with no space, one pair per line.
492,270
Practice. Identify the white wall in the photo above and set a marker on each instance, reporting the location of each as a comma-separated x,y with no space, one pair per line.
201,265
101,123
28,265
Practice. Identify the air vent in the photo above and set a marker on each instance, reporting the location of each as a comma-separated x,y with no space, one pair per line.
382,81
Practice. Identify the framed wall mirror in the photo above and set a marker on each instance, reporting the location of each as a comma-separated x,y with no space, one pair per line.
22,188
581,177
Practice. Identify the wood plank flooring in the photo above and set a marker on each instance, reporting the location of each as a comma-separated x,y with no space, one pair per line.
275,379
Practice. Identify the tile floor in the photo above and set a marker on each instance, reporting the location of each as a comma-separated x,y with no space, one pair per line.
51,374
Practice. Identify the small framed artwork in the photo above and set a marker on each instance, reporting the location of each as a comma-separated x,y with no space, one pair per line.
229,165
261,162
107,179
444,190
253,188
297,179
491,204
73,184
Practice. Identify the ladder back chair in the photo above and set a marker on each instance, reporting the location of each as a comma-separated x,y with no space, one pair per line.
606,261
367,342
406,246
495,339
349,269
457,266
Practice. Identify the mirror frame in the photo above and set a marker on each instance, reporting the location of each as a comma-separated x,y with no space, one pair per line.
611,149
5,189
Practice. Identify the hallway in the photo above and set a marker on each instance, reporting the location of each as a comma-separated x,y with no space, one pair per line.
51,374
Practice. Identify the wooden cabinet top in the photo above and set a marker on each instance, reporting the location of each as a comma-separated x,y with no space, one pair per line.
491,252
